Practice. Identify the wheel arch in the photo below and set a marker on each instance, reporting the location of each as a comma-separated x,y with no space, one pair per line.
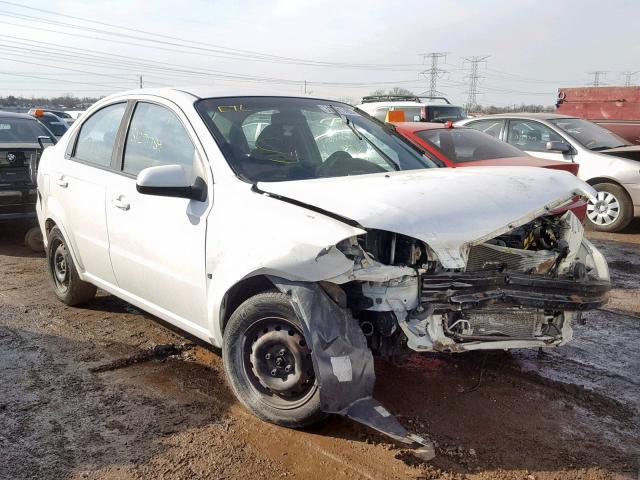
240,292
595,180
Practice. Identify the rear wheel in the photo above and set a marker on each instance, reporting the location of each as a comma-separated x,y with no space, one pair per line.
268,362
63,274
612,210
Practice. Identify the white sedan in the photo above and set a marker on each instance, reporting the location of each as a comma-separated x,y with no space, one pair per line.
302,260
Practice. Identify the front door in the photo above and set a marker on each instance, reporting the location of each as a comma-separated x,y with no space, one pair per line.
532,137
157,244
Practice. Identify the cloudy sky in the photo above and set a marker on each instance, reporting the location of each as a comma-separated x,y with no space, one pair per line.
342,49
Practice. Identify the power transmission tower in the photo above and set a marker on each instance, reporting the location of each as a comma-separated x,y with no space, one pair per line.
473,77
597,77
627,77
434,72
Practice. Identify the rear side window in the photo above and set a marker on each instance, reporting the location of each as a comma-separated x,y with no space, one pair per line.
98,135
156,137
490,127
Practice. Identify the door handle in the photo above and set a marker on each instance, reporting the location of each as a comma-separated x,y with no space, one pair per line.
62,182
120,203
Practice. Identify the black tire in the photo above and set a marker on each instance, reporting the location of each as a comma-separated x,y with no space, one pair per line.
623,212
63,274
265,323
33,239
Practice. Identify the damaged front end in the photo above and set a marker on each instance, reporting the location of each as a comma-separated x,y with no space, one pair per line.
520,289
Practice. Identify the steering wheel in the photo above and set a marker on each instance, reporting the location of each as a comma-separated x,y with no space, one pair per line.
324,170
341,163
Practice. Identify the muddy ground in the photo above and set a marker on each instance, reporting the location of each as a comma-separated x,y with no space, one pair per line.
83,394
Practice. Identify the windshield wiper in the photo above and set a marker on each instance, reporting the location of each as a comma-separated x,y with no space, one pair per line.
597,149
361,137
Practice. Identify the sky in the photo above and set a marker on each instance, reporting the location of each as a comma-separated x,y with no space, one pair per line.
335,49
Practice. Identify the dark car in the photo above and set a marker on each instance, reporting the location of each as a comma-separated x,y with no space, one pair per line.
22,139
54,123
58,113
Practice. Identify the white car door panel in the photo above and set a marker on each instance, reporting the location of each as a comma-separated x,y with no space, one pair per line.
81,190
157,244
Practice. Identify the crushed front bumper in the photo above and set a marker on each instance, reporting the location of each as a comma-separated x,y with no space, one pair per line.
464,291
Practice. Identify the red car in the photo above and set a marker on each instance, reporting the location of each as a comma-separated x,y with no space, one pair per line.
466,147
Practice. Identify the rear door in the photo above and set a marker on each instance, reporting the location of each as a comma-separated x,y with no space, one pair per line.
532,136
490,126
79,183
157,244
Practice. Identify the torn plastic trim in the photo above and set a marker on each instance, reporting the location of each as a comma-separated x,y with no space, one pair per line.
343,362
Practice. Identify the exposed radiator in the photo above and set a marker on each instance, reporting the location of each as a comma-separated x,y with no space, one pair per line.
511,321
492,257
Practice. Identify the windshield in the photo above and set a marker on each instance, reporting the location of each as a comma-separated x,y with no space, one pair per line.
467,145
55,124
588,134
272,139
443,114
21,130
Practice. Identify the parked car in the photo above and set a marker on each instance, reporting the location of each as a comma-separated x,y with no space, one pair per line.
607,162
54,123
417,109
22,139
301,264
66,116
73,115
466,147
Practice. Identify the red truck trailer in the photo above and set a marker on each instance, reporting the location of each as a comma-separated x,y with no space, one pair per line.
614,108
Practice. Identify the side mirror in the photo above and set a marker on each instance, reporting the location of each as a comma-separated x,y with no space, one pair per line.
43,140
557,146
171,181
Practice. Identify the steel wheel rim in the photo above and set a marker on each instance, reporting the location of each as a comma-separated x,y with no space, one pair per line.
60,267
605,210
277,386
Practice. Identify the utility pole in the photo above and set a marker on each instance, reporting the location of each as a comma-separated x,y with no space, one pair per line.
597,77
627,77
473,77
434,72
140,81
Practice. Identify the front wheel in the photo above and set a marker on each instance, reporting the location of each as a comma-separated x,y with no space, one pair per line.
67,285
612,210
268,362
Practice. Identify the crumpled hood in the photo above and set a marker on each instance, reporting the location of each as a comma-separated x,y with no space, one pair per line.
631,152
447,208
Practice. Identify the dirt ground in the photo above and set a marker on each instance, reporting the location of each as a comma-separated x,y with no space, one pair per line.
87,393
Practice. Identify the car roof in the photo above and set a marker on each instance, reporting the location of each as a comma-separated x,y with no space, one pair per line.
26,116
528,115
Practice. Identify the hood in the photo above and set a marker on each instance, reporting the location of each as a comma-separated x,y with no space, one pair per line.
632,152
523,162
449,209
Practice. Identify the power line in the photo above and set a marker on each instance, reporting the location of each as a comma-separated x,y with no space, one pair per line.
597,77
193,46
473,77
627,77
434,72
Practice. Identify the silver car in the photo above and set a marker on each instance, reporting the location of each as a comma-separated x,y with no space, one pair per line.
607,162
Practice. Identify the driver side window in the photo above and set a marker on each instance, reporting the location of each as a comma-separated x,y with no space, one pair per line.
531,135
